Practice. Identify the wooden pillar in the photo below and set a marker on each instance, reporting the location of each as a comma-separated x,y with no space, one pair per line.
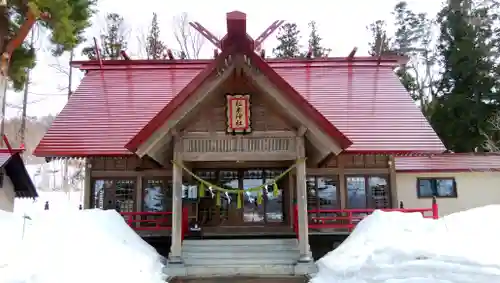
138,193
87,184
305,254
291,194
393,182
342,182
176,247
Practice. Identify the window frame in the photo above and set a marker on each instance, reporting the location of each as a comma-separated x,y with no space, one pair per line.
92,194
433,181
370,204
166,181
335,178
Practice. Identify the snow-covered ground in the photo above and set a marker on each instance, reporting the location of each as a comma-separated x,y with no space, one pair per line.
393,247
75,246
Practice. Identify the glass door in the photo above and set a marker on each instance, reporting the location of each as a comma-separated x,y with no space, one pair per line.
253,212
229,213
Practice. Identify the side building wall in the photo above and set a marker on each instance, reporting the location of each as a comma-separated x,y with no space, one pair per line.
473,189
7,194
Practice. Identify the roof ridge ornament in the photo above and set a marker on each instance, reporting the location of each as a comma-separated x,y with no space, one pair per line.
236,30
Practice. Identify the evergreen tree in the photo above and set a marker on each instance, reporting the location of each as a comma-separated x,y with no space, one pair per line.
113,40
155,47
315,42
67,22
288,38
468,89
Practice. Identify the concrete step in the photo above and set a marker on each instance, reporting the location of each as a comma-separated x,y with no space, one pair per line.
240,242
243,254
215,261
239,270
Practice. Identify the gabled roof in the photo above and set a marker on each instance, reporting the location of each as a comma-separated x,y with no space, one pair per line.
366,102
449,162
359,101
264,67
14,167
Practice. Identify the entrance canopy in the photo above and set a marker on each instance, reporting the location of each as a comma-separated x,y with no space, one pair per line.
238,59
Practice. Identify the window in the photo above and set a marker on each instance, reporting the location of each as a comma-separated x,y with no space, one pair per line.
322,193
368,192
436,187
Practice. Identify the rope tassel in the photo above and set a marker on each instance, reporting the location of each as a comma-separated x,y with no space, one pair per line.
201,190
217,200
276,190
239,201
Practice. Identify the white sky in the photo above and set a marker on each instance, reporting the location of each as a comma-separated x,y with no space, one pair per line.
342,24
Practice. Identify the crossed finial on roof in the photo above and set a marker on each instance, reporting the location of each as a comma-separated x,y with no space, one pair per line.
257,42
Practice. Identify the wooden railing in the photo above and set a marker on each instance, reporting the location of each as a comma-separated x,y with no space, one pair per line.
347,219
226,147
155,221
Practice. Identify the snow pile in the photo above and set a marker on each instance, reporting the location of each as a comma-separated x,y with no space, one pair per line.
10,236
76,246
399,247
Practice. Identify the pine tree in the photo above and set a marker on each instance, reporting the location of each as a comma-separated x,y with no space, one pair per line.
288,38
315,42
155,47
113,41
68,20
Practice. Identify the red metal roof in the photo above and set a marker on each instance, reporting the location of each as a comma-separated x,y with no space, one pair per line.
6,154
365,101
110,107
451,162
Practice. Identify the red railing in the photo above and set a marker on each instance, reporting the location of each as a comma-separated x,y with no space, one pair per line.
347,219
156,221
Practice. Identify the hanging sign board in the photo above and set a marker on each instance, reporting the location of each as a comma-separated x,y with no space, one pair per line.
238,113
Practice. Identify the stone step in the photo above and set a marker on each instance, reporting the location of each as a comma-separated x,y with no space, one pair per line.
240,270
186,255
214,261
240,242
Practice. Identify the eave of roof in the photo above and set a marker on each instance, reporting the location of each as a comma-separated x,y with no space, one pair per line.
449,163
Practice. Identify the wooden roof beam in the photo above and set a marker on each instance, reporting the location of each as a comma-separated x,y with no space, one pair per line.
266,33
206,33
352,53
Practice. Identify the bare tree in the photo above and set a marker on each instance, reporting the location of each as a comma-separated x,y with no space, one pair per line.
189,40
492,143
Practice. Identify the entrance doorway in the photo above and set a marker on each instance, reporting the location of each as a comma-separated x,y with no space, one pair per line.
269,210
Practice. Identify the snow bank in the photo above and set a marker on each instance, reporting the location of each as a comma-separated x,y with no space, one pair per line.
76,246
399,247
